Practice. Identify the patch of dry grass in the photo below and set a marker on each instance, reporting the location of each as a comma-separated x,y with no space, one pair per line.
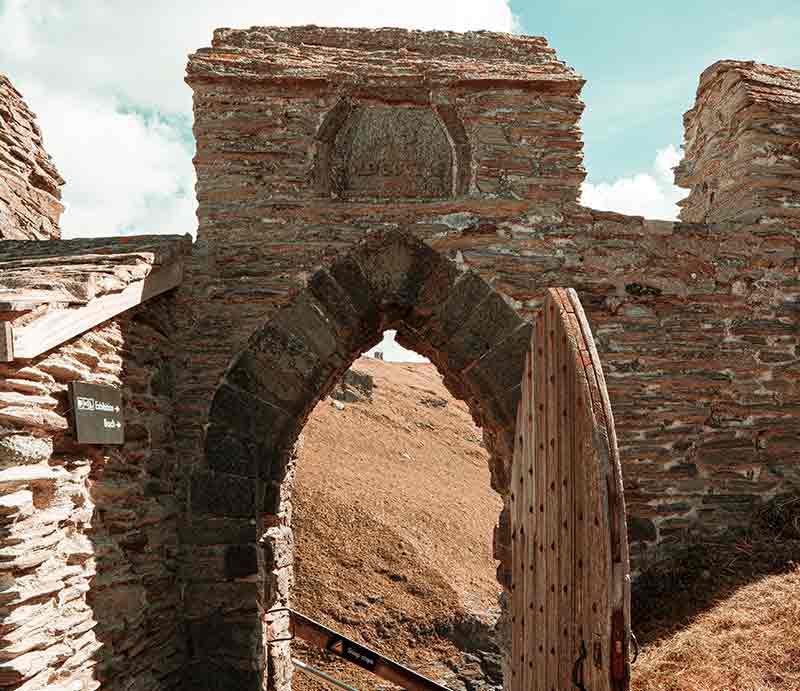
747,642
725,617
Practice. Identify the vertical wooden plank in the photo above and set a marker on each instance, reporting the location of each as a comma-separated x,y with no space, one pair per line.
524,538
516,553
597,544
553,496
530,521
582,551
603,456
540,377
587,512
566,455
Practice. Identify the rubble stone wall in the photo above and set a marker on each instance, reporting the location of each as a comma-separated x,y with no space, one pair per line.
89,555
696,324
30,186
742,146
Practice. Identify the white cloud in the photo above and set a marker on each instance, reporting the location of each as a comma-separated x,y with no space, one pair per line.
139,49
91,69
651,194
126,173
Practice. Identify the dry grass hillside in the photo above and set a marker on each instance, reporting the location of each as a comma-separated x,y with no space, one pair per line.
394,517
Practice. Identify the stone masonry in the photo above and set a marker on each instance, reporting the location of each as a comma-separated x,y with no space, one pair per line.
89,593
312,141
30,186
351,181
742,144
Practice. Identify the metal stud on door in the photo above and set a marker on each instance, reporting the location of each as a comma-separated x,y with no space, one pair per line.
570,586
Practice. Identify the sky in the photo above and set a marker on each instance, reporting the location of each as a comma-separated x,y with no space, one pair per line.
106,81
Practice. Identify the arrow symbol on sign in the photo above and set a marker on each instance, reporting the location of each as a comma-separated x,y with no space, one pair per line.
119,424
116,408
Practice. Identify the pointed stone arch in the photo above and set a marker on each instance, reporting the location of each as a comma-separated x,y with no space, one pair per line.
390,281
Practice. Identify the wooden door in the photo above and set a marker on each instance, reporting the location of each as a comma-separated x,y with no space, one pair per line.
570,590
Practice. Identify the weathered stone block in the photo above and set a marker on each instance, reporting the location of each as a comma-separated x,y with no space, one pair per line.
467,293
221,494
277,546
284,366
433,291
203,600
240,561
206,675
243,414
213,530
396,266
218,636
226,452
306,318
24,449
350,277
488,325
351,328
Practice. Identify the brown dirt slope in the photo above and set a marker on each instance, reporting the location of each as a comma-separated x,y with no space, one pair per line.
393,521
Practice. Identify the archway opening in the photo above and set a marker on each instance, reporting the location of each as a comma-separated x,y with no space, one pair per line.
390,281
393,519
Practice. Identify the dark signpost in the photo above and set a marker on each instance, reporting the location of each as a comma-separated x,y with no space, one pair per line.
96,413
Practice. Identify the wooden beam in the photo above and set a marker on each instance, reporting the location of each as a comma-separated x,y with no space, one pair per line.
6,342
58,326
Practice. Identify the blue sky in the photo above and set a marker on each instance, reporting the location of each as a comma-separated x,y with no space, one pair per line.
642,60
106,80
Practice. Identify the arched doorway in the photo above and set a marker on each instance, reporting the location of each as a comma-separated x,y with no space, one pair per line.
392,280
483,349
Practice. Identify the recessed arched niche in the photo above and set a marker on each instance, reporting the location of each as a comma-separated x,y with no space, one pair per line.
387,152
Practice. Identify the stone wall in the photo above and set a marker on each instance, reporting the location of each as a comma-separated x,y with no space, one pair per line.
742,146
89,549
696,324
30,186
270,105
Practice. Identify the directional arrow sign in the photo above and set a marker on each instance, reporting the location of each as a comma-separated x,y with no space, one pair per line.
96,413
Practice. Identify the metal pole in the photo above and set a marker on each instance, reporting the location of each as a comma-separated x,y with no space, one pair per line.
308,669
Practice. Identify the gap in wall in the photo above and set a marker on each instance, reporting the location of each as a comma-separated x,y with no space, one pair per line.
393,516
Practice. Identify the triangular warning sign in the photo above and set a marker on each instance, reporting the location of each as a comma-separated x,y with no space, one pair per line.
338,647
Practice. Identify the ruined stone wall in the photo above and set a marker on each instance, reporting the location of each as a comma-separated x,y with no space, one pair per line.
742,146
696,324
275,111
88,556
306,145
30,186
